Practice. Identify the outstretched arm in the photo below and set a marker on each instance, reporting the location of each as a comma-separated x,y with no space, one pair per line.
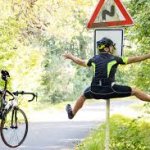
138,58
75,59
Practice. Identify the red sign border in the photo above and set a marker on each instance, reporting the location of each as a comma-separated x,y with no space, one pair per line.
128,20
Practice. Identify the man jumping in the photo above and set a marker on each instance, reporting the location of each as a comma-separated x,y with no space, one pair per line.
103,84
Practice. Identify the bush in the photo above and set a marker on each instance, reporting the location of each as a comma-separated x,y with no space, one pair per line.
125,133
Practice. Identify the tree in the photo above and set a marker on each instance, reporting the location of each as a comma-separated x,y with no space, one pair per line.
139,34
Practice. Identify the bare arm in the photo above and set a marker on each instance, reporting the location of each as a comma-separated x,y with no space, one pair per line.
138,58
75,59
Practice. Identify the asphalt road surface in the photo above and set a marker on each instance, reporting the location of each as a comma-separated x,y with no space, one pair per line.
53,131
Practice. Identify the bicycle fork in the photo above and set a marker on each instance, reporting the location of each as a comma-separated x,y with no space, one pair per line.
13,124
14,119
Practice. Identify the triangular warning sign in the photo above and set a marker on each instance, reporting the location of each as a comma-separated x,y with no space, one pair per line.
109,13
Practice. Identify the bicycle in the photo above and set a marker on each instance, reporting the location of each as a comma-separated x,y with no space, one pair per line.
14,123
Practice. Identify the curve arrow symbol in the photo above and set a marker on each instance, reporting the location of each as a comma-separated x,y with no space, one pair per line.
109,13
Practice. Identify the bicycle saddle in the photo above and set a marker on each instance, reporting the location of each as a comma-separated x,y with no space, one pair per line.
4,74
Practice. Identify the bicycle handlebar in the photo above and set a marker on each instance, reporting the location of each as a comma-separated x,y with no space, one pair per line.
28,93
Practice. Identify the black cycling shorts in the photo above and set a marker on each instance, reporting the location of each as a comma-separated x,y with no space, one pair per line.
107,92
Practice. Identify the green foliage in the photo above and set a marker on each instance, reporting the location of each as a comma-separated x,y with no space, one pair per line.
62,81
129,134
126,134
22,60
139,35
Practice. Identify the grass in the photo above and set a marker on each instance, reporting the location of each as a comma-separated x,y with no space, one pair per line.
125,133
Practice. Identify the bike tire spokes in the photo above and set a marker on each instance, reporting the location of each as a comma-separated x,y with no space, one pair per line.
14,128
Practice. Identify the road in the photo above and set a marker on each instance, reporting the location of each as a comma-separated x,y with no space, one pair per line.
53,131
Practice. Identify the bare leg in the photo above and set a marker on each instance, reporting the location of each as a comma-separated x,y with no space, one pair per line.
140,95
79,103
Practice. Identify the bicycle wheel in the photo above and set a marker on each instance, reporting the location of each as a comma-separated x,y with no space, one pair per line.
14,127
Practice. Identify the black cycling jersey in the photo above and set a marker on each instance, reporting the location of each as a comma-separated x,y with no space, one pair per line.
105,66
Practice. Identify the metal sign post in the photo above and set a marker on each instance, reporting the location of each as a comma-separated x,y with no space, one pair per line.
107,134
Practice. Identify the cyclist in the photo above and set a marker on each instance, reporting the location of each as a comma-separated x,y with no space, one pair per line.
103,84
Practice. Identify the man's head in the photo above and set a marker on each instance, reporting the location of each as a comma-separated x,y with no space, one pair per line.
106,45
